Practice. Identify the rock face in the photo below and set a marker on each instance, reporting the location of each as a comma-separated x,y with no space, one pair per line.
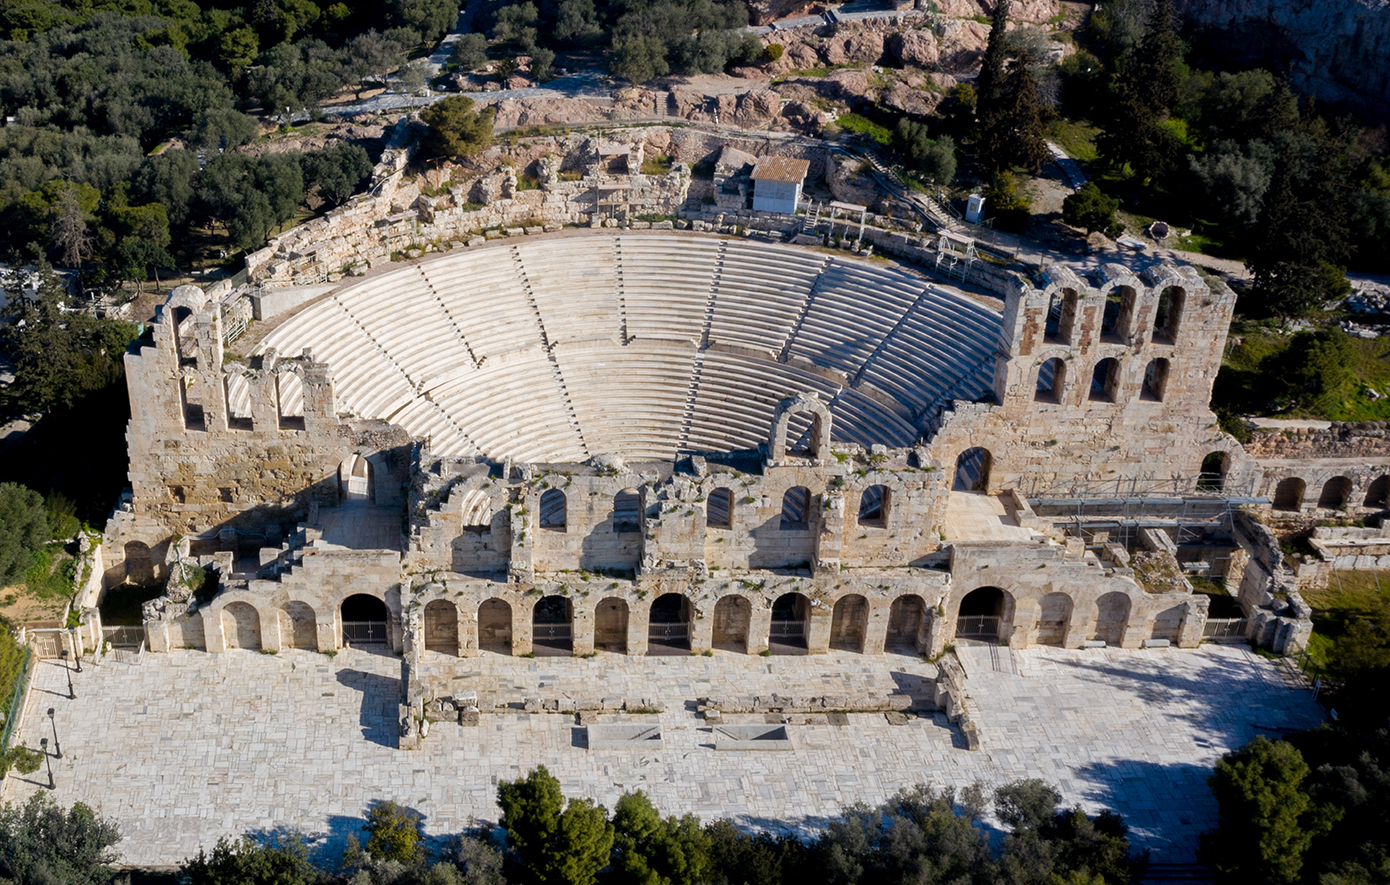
1333,49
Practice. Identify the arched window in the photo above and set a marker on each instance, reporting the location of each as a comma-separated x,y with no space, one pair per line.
1168,316
553,515
1110,329
972,471
238,395
1051,375
1061,317
1155,380
873,507
719,509
1105,381
289,395
1213,475
627,511
1336,492
1378,495
1288,495
795,504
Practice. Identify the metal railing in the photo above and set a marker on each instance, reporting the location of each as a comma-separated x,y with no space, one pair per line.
984,627
1219,629
552,634
783,631
669,633
124,637
364,633
14,709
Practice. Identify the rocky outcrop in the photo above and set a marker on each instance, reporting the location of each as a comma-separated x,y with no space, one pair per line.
1332,49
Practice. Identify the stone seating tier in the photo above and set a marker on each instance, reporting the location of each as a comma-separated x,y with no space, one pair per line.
641,345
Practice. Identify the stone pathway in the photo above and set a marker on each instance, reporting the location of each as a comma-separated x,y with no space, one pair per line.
187,747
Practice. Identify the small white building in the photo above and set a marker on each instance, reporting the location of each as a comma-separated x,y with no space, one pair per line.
777,184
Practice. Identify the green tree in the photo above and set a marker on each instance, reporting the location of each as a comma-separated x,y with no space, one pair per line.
1152,71
1090,208
368,58
244,862
44,844
470,51
455,129
1266,820
989,86
336,172
553,846
24,529
222,129
168,178
935,158
577,23
516,26
1011,128
648,850
739,857
393,833
431,18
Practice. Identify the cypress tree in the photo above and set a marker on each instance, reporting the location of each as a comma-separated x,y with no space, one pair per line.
1013,135
990,84
1152,74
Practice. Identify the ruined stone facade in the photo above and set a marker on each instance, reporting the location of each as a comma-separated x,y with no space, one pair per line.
806,542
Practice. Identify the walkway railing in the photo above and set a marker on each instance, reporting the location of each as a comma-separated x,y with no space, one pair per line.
669,634
123,637
1224,629
783,631
984,627
552,634
15,708
364,633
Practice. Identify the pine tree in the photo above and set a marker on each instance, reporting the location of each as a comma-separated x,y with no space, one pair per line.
1013,133
1152,72
989,85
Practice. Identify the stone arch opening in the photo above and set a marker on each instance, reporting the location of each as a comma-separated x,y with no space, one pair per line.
1112,617
791,622
1212,477
183,336
1288,495
1378,493
668,625
1054,618
241,625
807,443
1155,381
1105,381
972,470
355,480
553,516
298,626
495,626
627,511
796,505
1336,492
800,429
719,509
1061,317
139,564
237,391
849,623
906,621
873,507
982,614
442,627
610,625
1168,316
365,620
552,626
1051,378
1111,330
732,615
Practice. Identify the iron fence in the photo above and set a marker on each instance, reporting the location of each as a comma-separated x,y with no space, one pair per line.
14,709
978,627
123,637
552,633
364,633
785,630
1225,629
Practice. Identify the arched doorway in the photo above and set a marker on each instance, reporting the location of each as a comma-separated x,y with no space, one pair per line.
668,626
241,625
791,619
139,565
1105,381
906,617
364,620
298,626
552,626
972,470
495,626
982,615
1336,492
1051,378
1054,619
1378,494
355,480
849,622
1288,495
1112,617
442,627
1213,475
731,617
610,625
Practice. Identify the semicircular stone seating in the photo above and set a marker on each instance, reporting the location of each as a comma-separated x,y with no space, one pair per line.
642,345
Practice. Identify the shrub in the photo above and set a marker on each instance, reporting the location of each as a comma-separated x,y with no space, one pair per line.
24,529
393,833
773,52
1090,208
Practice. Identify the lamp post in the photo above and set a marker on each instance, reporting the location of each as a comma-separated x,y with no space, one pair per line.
43,742
77,651
72,695
57,748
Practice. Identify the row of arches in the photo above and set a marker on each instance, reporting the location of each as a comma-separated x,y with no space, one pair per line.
670,624
1336,494
987,614
874,502
1106,379
363,620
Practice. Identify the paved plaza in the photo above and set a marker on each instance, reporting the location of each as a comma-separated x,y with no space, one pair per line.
188,746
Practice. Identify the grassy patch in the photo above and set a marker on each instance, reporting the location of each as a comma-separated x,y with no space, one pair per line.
656,164
50,577
12,656
1076,137
1348,596
1260,352
864,126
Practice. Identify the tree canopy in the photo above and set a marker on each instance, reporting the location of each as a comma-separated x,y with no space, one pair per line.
42,843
